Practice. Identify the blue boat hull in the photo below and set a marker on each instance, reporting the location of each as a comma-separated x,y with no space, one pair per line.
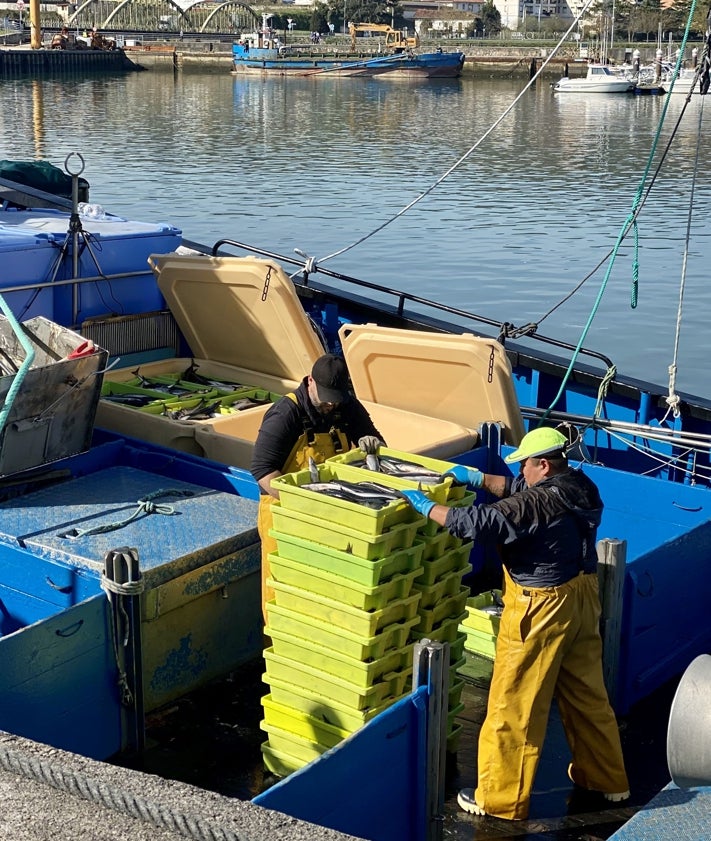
437,65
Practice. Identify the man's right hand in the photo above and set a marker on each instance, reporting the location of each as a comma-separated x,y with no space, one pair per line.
419,501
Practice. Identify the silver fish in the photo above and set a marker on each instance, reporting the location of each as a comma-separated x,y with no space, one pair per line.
369,494
372,462
399,468
190,375
313,470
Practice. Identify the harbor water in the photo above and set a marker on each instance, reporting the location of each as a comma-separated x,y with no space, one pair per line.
510,221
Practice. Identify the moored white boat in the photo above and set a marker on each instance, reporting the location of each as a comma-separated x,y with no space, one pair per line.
600,78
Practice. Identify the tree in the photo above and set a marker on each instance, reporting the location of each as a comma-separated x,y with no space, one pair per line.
319,18
362,11
490,18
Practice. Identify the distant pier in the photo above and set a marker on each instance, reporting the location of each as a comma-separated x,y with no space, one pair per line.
16,62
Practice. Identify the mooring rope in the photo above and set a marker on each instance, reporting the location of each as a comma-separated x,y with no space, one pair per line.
90,789
145,506
312,262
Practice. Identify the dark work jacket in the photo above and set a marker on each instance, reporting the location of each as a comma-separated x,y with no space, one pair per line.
286,420
546,533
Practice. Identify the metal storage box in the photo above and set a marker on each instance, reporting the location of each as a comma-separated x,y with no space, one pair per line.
52,413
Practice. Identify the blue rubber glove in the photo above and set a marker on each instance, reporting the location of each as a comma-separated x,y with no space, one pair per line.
419,501
463,475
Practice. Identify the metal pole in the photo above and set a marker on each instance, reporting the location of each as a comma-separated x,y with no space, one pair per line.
122,568
611,564
431,668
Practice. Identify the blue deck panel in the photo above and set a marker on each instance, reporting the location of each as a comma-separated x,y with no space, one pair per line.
675,813
208,524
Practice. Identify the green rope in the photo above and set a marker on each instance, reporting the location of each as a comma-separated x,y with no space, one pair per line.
145,506
630,222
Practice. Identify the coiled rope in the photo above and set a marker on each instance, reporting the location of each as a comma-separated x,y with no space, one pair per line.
145,506
87,788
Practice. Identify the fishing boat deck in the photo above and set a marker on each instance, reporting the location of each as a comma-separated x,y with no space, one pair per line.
212,739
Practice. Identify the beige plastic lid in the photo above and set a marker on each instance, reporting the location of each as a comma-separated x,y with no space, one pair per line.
241,311
459,378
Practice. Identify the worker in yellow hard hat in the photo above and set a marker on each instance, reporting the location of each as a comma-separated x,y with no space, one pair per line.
545,522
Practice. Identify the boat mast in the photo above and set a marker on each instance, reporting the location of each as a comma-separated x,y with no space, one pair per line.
35,34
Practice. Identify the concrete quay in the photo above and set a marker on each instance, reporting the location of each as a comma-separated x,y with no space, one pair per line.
49,793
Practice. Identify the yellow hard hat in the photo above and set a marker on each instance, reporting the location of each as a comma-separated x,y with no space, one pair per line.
538,442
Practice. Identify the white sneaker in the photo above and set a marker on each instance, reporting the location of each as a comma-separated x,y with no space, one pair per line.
617,796
466,801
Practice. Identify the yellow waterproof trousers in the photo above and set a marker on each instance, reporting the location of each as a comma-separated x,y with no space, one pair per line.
548,645
269,545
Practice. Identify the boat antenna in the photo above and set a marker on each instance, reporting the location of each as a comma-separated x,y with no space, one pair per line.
313,262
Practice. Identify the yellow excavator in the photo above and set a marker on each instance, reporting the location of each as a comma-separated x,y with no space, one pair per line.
395,39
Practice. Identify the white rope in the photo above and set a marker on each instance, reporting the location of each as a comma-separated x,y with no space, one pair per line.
673,400
312,262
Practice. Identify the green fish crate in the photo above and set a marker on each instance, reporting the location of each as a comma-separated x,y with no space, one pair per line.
301,749
434,545
301,723
185,386
452,560
343,468
479,614
326,709
341,589
357,672
227,404
188,385
332,687
479,642
279,763
445,609
368,573
164,407
442,491
297,524
454,696
354,515
445,631
300,626
362,622
447,585
118,389
453,738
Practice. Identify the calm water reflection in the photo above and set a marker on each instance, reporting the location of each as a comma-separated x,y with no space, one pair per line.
317,164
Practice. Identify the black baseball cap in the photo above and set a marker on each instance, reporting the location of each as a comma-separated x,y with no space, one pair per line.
331,377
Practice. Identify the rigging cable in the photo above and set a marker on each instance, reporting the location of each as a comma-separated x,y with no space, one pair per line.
312,263
629,223
673,399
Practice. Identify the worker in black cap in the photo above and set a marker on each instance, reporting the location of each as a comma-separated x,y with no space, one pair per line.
318,420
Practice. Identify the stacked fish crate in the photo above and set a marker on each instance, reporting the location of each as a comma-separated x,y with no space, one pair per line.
445,559
342,616
481,623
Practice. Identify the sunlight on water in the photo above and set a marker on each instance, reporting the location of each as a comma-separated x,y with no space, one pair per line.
317,164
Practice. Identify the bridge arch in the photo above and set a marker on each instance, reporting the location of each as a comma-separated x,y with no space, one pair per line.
166,15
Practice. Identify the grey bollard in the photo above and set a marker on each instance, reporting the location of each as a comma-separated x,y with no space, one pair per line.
689,732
